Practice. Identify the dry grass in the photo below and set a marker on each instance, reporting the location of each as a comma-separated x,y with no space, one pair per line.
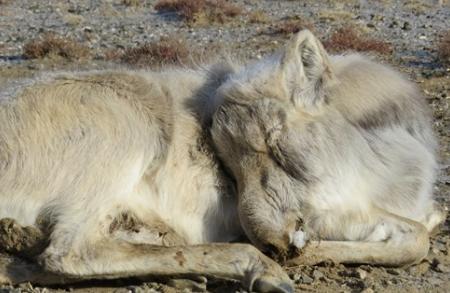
444,49
258,16
291,26
200,11
51,45
167,51
133,3
171,50
348,39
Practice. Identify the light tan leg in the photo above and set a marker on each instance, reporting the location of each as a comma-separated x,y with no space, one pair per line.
405,242
113,259
128,255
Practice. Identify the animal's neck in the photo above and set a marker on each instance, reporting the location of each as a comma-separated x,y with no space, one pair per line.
203,200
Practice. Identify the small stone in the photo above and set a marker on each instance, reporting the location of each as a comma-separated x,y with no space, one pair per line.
406,26
305,279
318,275
367,290
295,277
361,274
393,272
26,286
135,289
442,268
419,269
186,284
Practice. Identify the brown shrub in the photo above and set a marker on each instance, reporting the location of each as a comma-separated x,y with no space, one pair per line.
258,16
133,3
348,39
172,50
290,26
166,51
50,44
199,10
444,49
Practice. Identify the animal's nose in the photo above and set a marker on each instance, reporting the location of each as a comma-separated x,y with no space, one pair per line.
277,249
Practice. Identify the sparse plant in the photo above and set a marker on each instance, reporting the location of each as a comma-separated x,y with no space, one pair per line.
133,3
290,25
348,39
444,49
166,51
51,44
258,16
169,50
198,11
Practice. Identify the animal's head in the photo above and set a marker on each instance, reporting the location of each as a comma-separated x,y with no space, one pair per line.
255,133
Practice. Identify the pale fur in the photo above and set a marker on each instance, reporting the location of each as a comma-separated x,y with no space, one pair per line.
112,163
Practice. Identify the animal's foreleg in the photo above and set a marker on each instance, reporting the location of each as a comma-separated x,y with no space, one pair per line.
116,259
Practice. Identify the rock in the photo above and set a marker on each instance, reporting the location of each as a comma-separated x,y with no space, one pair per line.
442,268
317,275
305,279
186,284
406,26
419,269
361,274
295,277
26,287
135,289
394,272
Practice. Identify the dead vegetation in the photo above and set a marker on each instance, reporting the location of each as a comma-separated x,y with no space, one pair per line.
52,45
348,39
200,11
290,26
166,51
444,49
258,16
133,3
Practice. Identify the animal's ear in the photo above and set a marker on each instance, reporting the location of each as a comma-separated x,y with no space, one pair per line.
306,70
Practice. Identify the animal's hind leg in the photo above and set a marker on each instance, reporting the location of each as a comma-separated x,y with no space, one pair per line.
394,241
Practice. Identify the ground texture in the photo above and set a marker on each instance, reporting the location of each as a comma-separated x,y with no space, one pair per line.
93,34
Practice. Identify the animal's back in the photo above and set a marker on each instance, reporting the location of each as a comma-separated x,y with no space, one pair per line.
375,97
393,120
69,136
